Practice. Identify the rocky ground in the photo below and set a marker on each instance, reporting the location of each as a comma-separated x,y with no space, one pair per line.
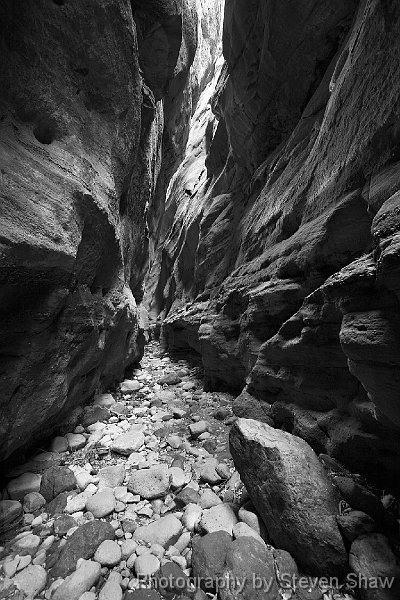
143,500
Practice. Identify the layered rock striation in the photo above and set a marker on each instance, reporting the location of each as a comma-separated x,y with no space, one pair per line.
90,96
281,263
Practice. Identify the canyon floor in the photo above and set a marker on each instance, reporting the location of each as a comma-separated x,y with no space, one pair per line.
142,499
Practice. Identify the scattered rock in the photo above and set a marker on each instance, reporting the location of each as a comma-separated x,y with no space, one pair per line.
198,428
55,481
165,531
243,530
130,385
108,554
129,442
101,504
208,499
209,557
27,544
59,444
371,557
246,560
191,516
359,497
146,565
23,485
355,523
31,580
76,441
218,518
187,496
83,543
112,476
169,379
112,589
150,483
33,502
79,582
10,514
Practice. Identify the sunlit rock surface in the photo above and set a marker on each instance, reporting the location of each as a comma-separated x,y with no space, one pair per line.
292,241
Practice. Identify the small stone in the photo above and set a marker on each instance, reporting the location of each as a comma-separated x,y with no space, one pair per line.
63,524
188,496
83,479
104,400
24,484
175,441
112,589
128,548
129,442
10,514
169,379
59,444
23,562
146,565
112,476
27,544
219,518
55,481
250,518
10,566
108,554
208,472
79,582
33,502
198,428
150,483
76,441
191,516
101,504
130,385
243,530
208,499
177,478
355,523
165,531
183,542
31,580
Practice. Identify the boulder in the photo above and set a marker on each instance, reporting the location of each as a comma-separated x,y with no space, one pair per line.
291,491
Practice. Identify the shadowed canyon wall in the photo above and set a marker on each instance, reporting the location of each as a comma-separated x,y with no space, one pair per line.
95,103
280,256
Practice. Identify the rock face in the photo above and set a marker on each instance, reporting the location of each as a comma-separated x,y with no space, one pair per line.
86,102
292,493
280,260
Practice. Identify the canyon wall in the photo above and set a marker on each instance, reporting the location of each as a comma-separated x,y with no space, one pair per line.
89,99
281,257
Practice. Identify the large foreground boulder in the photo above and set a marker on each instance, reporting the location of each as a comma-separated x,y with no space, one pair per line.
292,493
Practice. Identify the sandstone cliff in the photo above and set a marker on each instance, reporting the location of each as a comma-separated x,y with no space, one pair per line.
281,262
89,98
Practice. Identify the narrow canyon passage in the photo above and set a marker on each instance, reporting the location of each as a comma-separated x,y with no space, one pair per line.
199,300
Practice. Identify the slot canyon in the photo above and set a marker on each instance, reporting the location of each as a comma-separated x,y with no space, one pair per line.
199,299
